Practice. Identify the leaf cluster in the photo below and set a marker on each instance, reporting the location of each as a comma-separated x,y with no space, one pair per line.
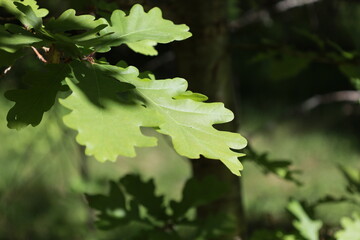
132,200
110,104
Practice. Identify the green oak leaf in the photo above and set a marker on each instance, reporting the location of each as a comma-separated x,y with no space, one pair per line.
27,11
113,209
146,47
143,193
68,21
191,95
39,12
106,112
32,103
189,123
57,29
144,29
13,42
351,228
307,227
118,112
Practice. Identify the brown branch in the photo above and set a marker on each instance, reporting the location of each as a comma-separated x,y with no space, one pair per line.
40,57
340,96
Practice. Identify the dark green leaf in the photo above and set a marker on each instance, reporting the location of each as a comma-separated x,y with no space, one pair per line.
352,177
68,21
113,210
32,103
196,193
13,42
144,193
215,226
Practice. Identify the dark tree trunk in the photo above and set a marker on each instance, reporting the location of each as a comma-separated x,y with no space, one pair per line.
204,60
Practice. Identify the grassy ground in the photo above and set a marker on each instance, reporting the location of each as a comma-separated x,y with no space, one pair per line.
316,145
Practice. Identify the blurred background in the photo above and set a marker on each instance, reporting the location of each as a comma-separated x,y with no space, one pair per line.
294,82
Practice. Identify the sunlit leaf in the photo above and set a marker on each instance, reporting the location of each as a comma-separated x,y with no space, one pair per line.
351,228
106,113
68,21
189,123
27,11
307,227
119,112
139,26
145,47
13,42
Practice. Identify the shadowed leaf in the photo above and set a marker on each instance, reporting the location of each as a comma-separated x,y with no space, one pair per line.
32,103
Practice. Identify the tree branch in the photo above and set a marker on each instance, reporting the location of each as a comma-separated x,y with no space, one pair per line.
264,15
340,96
40,57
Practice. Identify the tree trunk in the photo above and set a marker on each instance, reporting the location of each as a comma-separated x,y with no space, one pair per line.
204,60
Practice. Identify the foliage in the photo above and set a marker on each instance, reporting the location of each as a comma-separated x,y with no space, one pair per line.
352,177
133,201
307,227
351,229
310,229
115,99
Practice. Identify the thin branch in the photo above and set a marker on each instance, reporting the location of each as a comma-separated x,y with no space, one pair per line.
264,15
340,96
285,5
40,57
308,105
